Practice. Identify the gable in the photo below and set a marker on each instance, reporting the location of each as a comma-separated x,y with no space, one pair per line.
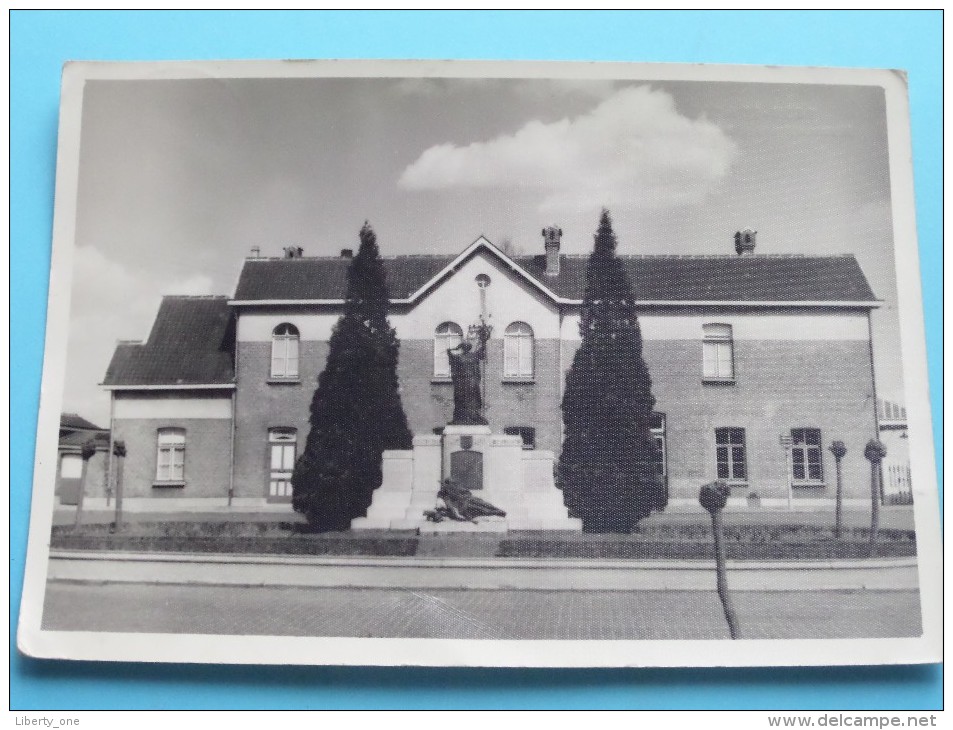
456,298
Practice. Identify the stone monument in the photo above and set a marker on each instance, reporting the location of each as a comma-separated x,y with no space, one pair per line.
514,487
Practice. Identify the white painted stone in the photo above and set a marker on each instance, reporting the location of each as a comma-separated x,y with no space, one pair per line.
538,471
517,481
398,470
426,464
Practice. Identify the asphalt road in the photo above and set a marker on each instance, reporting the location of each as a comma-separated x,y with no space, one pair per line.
476,614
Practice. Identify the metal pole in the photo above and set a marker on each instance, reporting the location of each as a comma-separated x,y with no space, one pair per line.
789,468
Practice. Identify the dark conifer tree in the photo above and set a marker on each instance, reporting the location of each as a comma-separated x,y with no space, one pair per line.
607,466
356,412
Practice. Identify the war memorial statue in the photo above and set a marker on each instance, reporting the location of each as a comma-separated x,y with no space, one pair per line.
465,372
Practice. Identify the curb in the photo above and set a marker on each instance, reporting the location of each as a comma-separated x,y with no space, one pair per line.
886,574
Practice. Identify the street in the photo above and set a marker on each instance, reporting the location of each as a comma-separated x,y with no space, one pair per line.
475,614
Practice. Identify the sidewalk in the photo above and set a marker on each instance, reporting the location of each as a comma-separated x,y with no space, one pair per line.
476,614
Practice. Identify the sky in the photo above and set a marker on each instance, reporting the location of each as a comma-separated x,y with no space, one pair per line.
179,179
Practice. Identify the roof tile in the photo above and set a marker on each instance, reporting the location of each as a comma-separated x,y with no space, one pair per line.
654,278
190,344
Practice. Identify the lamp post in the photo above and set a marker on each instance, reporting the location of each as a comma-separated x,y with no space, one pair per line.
88,452
713,497
839,450
119,451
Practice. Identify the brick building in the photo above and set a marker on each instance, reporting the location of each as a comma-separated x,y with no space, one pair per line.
742,348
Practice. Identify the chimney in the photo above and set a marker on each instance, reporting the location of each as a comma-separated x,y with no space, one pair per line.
347,253
255,252
745,241
551,236
293,252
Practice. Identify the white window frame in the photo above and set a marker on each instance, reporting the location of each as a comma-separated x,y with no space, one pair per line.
170,455
519,351
800,446
718,352
730,450
446,336
285,352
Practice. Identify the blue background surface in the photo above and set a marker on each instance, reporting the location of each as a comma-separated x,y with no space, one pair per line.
41,41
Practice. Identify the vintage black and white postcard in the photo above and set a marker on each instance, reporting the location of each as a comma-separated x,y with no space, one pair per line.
479,363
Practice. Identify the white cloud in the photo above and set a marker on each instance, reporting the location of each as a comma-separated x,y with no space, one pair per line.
531,89
110,302
633,148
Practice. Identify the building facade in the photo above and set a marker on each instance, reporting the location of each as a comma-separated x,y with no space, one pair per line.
72,476
758,363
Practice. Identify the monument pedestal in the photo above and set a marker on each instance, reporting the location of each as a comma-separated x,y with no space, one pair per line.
494,467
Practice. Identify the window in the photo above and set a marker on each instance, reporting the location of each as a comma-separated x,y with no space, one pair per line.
527,433
730,454
718,352
71,466
447,336
284,351
170,460
806,455
282,452
518,351
658,435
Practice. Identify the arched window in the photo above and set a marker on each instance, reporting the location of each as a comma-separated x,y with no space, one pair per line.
447,336
284,351
518,351
170,457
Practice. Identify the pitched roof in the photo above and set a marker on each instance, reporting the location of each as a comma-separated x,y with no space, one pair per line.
74,421
190,344
76,431
326,277
752,278
70,440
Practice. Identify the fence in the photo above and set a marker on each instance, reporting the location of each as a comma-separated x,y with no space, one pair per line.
897,485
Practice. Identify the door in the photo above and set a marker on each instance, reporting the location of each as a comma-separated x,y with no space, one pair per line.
282,452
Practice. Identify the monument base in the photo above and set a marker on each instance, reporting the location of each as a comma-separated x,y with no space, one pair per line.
494,467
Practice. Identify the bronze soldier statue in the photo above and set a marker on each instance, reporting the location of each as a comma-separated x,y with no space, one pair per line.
465,373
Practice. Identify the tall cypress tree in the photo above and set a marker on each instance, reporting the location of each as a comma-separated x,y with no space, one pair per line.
356,412
607,466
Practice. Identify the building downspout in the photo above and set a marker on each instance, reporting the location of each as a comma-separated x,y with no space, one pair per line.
231,453
561,380
109,455
231,445
873,390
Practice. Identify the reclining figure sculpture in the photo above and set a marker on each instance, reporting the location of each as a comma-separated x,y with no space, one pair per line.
460,505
